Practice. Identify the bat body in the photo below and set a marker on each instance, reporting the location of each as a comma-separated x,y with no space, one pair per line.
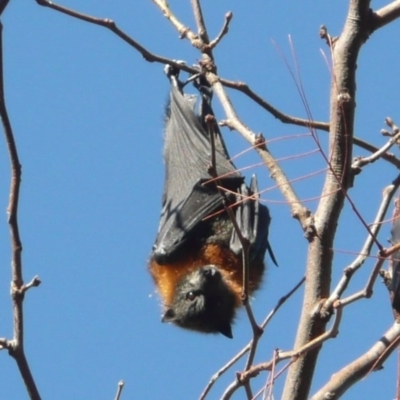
196,260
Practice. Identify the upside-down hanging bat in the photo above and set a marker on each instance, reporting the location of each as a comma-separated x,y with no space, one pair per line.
196,261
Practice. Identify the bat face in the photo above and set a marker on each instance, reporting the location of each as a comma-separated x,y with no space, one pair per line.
203,302
196,260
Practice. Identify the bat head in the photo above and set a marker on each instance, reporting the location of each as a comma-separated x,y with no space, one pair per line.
203,302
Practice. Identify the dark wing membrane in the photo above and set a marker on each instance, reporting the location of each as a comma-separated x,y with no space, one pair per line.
206,109
253,220
187,153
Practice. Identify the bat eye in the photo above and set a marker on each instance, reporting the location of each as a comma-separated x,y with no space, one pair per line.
190,296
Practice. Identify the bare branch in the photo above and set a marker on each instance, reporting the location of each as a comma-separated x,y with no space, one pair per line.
184,31
369,147
322,231
16,346
298,210
387,195
35,282
244,241
111,25
119,390
257,333
365,293
240,86
243,378
338,180
332,333
386,15
201,25
238,356
360,162
224,30
287,119
342,380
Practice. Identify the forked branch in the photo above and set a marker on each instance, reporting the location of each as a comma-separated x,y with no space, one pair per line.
244,378
242,352
298,210
15,346
373,359
365,252
112,26
385,15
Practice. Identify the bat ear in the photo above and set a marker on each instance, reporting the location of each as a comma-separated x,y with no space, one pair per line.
169,316
226,330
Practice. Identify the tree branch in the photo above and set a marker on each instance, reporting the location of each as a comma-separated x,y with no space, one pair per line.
349,271
223,32
16,345
201,25
184,31
242,352
285,118
298,210
338,179
369,147
342,380
365,293
386,15
121,385
360,162
112,26
243,378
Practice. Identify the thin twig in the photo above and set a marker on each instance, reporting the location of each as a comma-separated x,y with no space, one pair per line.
388,194
365,293
244,377
242,352
385,15
119,390
194,39
271,378
391,158
257,333
245,243
184,31
285,118
360,162
332,333
309,123
112,26
16,345
240,86
342,380
338,177
201,25
224,30
298,210
247,388
35,282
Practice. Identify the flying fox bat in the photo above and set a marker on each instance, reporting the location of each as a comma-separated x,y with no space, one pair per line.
196,260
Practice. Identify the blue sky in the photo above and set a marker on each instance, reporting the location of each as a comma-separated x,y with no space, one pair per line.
87,113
